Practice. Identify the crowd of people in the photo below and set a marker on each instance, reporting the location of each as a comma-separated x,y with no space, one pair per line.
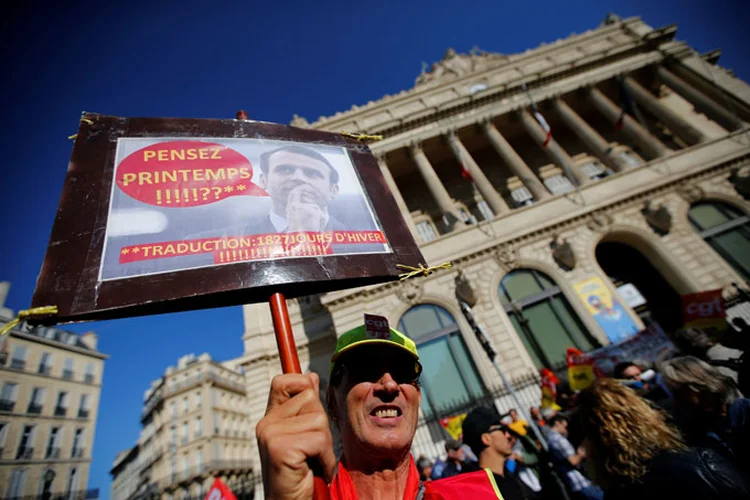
680,428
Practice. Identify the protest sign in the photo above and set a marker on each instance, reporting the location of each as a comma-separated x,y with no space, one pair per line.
704,310
161,215
648,346
606,309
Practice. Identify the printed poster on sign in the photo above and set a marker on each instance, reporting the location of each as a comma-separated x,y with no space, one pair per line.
606,309
181,204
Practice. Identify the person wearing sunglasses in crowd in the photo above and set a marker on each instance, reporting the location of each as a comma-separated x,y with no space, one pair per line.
373,399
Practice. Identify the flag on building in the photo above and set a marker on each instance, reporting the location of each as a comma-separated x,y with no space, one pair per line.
545,126
220,491
459,155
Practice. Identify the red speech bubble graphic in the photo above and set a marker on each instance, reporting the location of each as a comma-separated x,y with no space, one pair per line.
186,174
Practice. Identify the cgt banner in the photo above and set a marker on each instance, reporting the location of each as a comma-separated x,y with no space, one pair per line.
704,310
220,491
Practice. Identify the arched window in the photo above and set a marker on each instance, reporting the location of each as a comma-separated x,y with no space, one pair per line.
542,316
727,230
449,376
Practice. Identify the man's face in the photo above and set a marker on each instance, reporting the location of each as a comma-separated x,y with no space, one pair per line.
377,401
513,414
632,373
561,427
288,170
535,413
456,454
500,440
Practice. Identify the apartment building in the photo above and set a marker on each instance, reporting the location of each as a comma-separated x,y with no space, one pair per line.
50,382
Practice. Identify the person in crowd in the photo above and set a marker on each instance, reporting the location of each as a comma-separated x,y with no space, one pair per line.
492,443
455,459
695,342
646,383
518,424
709,409
568,460
536,415
525,458
634,454
424,466
373,399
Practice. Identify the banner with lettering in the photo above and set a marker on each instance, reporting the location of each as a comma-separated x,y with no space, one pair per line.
220,491
181,204
704,310
606,309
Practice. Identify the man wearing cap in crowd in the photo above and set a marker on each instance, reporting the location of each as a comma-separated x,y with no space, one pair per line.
492,442
373,399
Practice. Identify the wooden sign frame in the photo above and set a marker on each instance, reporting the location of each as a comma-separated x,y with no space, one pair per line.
69,278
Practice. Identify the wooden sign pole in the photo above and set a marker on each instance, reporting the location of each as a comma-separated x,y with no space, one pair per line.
282,327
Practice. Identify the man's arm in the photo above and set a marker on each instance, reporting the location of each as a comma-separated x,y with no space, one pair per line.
294,430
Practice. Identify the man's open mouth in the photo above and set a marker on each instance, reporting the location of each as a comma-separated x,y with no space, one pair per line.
386,412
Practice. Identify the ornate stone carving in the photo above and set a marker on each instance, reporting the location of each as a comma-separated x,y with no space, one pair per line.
454,65
691,192
563,253
741,183
600,222
464,291
410,292
659,219
507,256
299,121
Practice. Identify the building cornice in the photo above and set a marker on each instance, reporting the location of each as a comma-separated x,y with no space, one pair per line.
566,220
58,345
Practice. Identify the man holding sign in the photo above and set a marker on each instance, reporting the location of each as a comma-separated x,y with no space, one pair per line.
373,398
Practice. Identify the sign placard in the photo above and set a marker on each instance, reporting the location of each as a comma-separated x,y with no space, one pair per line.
704,310
161,215
606,309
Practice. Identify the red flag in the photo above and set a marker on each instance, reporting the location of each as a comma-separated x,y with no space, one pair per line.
459,155
220,491
545,126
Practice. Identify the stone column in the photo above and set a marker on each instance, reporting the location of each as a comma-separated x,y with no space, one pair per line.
588,136
713,82
637,132
675,122
397,195
483,184
515,162
433,182
701,101
553,149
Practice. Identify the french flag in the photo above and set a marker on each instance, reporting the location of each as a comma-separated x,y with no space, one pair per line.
545,126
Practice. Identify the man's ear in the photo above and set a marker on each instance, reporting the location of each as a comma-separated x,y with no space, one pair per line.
486,439
334,190
262,180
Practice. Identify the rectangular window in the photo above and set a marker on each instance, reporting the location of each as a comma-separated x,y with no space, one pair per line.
174,408
89,374
172,436
559,184
199,461
184,432
426,231
198,399
185,463
198,427
83,406
45,363
214,397
18,361
26,445
68,369
3,433
61,408
78,437
53,444
522,197
8,396
485,210
17,480
36,401
185,405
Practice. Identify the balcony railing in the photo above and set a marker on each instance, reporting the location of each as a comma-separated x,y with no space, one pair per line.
18,364
24,453
88,378
52,453
77,453
60,411
59,495
45,369
83,413
34,409
7,405
68,374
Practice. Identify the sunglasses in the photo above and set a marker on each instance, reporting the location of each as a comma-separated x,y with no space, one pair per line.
403,371
499,428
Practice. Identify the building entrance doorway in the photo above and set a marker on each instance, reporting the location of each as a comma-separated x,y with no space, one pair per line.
627,266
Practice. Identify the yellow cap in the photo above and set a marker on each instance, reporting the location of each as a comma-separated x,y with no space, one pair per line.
362,335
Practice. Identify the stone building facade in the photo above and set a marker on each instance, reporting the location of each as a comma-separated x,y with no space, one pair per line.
50,381
195,427
642,184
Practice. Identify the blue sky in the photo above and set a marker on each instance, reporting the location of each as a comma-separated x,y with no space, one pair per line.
208,59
